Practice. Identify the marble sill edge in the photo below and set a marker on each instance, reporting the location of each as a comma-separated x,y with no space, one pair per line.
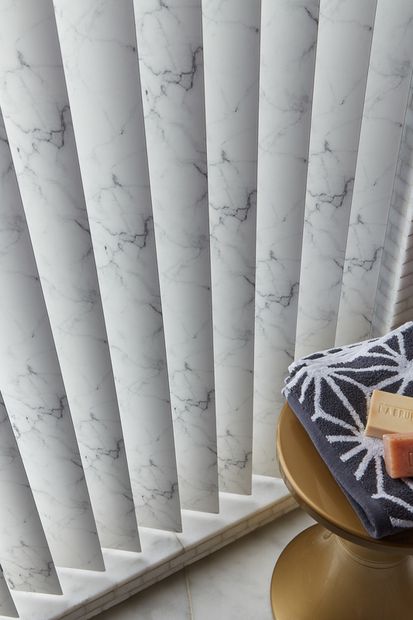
196,552
270,500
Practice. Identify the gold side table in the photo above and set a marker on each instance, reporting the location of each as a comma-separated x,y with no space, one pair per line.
334,570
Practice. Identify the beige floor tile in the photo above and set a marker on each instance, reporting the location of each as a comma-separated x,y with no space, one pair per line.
233,584
167,600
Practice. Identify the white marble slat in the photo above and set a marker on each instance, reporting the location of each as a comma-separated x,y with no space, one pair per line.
169,37
342,61
394,298
384,111
231,65
35,398
35,105
98,44
24,552
288,42
7,606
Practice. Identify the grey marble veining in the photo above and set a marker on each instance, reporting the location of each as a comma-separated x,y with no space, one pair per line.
98,44
231,64
36,111
169,38
7,606
35,398
342,62
24,552
383,116
288,41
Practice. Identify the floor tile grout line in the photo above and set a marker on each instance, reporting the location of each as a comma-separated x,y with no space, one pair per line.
189,595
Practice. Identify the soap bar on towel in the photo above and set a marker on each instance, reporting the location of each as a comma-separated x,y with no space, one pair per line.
329,392
398,454
389,413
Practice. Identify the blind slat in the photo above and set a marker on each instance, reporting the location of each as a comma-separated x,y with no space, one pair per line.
342,61
24,553
288,39
169,41
381,130
231,61
98,46
7,606
394,295
35,106
34,393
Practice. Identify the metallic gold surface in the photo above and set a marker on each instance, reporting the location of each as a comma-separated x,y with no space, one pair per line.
341,576
316,578
313,486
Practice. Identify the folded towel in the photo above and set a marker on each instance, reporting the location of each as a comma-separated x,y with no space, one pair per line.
329,392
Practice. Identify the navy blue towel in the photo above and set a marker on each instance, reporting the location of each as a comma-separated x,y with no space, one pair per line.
329,393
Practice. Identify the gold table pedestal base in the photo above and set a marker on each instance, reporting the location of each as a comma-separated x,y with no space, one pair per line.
320,576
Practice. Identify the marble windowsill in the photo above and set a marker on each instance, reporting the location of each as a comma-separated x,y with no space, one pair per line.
87,593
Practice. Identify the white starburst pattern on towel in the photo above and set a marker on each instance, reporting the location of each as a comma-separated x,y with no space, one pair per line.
374,364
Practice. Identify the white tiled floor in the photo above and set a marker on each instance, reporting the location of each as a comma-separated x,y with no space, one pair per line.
232,584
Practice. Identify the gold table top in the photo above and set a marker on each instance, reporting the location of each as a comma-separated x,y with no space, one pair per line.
315,489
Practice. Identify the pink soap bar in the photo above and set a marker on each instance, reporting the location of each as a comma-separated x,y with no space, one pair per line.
398,454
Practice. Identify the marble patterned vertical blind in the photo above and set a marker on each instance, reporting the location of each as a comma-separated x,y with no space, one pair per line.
231,61
341,68
169,39
384,114
286,58
191,195
99,56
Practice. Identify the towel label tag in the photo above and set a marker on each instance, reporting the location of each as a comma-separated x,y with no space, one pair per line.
389,413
